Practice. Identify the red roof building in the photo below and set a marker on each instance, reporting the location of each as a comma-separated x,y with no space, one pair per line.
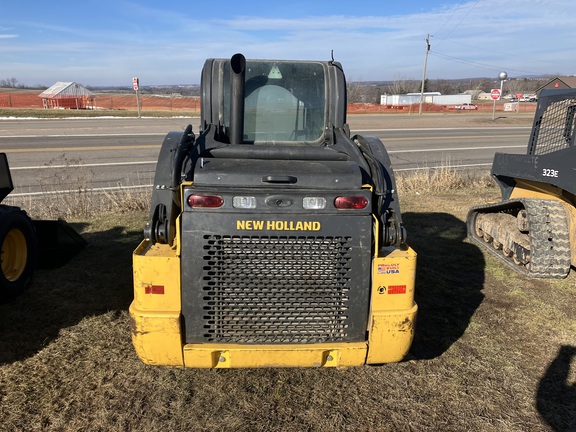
561,82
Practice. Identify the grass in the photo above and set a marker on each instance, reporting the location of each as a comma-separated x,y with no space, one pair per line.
82,204
490,354
442,179
79,202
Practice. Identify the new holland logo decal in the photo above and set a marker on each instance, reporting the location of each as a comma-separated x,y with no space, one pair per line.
277,225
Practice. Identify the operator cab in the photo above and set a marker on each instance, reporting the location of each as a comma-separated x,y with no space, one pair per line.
277,101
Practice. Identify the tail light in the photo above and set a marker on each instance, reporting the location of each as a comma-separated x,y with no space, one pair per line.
205,201
350,202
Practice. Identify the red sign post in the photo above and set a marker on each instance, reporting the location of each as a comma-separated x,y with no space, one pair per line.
136,85
495,95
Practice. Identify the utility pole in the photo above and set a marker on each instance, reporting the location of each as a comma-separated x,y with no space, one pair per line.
424,73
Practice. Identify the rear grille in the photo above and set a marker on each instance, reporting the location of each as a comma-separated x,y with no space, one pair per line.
555,129
275,289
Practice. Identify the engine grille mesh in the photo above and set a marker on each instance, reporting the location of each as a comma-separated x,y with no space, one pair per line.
275,289
555,129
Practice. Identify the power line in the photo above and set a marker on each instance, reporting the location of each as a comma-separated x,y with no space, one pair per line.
479,64
491,50
459,22
447,21
471,62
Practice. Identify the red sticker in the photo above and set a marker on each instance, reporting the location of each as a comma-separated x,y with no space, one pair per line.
397,289
154,289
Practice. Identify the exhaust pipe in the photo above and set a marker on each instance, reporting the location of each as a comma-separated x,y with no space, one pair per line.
237,76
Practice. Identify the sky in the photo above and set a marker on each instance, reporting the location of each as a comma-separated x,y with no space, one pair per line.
108,42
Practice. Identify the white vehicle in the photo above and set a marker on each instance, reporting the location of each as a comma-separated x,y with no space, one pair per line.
466,106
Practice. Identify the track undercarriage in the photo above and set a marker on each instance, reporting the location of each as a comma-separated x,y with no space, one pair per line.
530,235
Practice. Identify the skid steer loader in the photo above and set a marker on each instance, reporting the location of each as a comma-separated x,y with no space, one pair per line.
27,243
275,239
533,228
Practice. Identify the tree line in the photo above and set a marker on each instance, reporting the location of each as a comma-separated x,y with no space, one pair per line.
14,83
370,92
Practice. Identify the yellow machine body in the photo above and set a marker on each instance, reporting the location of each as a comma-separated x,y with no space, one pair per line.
157,331
275,238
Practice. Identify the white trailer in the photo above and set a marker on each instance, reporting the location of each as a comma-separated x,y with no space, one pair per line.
452,99
431,98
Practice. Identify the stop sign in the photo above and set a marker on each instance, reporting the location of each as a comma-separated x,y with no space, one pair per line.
495,94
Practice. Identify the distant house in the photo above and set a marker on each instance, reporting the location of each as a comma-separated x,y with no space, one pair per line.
562,82
67,95
482,95
474,93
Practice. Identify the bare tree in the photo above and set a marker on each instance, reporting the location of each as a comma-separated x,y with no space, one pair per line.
373,93
354,91
9,83
478,86
443,86
513,86
403,85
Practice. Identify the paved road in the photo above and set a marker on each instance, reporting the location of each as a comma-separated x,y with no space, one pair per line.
471,148
93,153
121,153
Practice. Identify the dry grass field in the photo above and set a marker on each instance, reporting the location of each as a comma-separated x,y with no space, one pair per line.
493,351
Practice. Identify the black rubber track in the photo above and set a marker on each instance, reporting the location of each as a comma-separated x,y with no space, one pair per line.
549,236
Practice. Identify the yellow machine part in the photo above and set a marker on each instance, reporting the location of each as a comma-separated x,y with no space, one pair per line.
155,311
14,254
392,307
157,332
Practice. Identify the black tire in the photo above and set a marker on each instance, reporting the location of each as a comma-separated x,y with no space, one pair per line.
19,251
